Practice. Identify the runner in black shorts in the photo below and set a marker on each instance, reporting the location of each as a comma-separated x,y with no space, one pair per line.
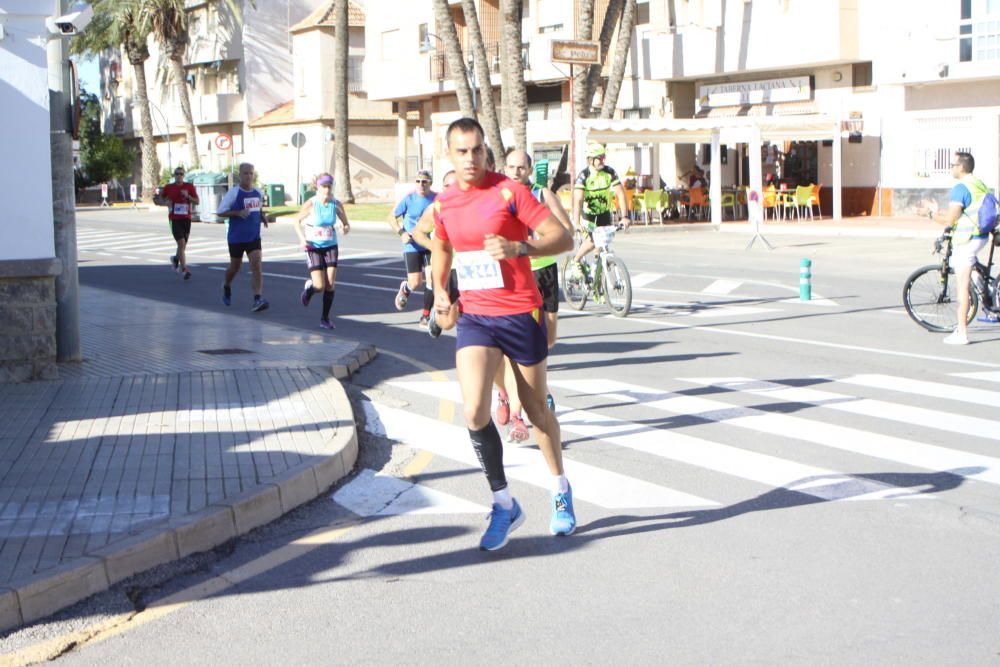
422,235
179,197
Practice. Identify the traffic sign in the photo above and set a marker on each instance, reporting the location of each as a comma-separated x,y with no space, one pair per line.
576,52
298,140
133,190
223,142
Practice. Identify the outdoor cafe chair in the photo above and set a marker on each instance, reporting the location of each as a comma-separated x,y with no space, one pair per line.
803,200
652,203
770,201
697,197
814,201
729,199
639,207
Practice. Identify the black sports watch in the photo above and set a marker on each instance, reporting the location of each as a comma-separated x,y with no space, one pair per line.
522,249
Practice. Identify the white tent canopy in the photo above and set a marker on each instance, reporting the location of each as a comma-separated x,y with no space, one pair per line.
752,130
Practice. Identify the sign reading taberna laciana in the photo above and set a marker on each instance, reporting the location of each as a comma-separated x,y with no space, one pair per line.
576,52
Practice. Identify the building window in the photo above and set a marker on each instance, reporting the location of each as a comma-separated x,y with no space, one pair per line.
551,15
425,38
642,15
634,114
979,31
861,75
937,140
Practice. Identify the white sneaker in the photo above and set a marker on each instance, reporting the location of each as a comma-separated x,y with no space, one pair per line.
956,338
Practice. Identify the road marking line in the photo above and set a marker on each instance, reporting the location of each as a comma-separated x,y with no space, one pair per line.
662,325
375,494
379,262
843,438
643,279
952,392
722,287
867,407
592,484
988,376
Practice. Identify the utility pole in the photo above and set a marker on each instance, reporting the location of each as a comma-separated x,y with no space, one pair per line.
63,199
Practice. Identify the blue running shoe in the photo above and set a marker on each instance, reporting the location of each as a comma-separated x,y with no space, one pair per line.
502,522
563,520
551,402
227,295
259,304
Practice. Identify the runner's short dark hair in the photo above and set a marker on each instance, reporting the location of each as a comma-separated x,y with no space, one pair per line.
967,161
464,125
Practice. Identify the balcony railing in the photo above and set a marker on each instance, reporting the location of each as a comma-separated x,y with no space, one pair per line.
440,70
355,74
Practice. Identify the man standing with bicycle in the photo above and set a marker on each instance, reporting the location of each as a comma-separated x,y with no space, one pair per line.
592,193
966,237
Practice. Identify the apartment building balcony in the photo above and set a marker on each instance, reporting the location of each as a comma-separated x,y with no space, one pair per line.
221,108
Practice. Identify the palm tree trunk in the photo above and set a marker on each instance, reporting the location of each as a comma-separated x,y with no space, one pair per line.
516,98
611,20
456,63
180,82
621,55
150,168
341,106
585,30
484,83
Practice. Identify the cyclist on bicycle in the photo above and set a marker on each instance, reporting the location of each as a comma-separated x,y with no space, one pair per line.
592,193
967,240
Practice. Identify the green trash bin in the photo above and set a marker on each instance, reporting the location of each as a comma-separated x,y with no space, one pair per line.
306,192
275,194
211,187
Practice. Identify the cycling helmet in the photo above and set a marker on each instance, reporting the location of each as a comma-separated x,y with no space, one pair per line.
595,150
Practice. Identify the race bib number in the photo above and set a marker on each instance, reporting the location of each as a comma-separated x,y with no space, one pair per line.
315,233
251,203
182,209
477,270
602,235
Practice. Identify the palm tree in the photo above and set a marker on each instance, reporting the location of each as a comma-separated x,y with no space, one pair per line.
621,55
341,166
611,19
123,24
483,80
585,30
169,23
515,98
456,63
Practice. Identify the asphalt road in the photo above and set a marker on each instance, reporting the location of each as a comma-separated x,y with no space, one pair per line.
758,480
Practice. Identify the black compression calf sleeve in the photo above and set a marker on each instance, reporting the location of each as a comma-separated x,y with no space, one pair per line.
489,448
428,298
327,303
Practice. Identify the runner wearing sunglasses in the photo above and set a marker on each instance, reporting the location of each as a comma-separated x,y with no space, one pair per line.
415,256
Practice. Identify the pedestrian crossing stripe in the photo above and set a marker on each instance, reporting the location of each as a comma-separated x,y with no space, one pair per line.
923,388
843,438
643,279
868,407
376,494
987,376
722,287
591,484
689,450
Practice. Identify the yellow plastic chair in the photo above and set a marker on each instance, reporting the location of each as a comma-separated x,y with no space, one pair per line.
770,201
651,200
665,205
803,200
786,205
639,207
729,199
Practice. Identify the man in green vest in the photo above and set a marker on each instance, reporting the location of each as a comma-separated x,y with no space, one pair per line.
967,240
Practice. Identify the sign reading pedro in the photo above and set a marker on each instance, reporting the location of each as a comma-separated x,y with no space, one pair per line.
576,52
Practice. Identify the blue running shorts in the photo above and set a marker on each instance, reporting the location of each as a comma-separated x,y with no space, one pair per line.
523,337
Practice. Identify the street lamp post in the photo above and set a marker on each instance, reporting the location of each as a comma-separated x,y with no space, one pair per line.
166,130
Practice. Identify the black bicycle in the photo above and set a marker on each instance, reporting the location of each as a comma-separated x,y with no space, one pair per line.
929,294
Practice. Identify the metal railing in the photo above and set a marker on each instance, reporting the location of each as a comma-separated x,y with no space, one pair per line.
440,70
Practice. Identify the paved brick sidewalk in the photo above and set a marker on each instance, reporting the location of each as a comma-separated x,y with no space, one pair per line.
152,449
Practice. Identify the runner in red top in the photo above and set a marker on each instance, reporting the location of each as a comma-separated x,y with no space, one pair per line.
485,220
180,198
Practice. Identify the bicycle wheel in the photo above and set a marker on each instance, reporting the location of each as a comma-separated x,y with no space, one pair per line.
931,301
574,284
617,288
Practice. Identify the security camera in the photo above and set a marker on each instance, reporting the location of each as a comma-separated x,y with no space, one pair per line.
73,22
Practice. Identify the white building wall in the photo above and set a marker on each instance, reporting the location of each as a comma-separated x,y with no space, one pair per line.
25,161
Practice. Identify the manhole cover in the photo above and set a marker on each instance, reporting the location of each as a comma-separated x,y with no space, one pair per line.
226,350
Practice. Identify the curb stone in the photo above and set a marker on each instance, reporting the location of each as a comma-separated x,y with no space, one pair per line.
40,596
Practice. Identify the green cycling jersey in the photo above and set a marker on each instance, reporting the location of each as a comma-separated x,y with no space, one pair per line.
597,189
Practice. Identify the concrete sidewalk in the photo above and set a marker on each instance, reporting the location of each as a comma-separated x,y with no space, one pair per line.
161,445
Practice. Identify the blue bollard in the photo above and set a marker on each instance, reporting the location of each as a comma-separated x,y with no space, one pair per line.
805,280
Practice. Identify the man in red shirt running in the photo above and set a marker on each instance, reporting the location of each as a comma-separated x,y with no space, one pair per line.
485,219
179,198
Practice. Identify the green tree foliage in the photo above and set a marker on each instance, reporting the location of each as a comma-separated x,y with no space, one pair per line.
103,157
